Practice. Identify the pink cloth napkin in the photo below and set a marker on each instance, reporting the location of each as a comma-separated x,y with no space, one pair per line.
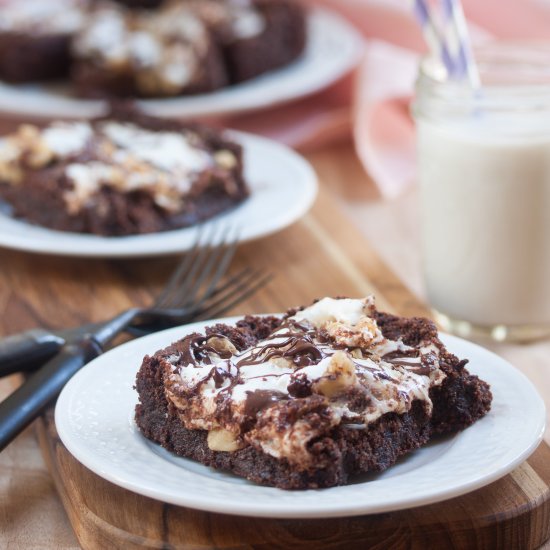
372,105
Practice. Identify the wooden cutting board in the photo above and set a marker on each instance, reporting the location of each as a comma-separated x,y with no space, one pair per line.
321,255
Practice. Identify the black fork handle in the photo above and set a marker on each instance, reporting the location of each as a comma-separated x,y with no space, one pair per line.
27,351
27,402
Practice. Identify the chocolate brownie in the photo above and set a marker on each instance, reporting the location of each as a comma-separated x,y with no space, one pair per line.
120,175
310,399
166,52
255,36
35,38
184,47
148,48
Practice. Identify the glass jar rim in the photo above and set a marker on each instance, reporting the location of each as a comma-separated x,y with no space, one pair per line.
514,75
500,64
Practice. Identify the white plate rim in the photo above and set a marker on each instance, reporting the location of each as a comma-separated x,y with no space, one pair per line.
259,508
19,235
326,30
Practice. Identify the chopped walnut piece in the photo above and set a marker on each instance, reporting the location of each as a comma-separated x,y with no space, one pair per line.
222,345
225,159
223,440
339,376
363,334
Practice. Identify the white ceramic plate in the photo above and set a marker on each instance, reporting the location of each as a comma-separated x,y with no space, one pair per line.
333,48
94,418
283,187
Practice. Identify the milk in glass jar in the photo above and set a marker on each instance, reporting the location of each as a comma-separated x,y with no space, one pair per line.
484,171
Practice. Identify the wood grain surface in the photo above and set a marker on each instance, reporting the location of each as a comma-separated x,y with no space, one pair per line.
323,254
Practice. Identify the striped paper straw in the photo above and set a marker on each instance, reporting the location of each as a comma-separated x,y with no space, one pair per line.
458,42
432,35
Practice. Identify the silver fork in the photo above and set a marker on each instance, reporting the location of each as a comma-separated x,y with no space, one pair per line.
190,293
194,291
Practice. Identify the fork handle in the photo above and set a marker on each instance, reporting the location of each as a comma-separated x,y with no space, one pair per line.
27,350
39,390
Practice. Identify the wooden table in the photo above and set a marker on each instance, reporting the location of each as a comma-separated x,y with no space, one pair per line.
57,292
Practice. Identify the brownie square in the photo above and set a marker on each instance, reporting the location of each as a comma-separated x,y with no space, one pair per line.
135,53
309,400
119,175
35,37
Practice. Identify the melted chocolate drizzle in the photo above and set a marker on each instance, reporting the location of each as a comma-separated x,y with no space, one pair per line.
258,400
427,361
196,350
298,346
300,385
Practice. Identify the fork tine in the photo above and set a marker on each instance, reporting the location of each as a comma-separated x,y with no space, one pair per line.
235,299
228,285
228,291
196,290
180,270
245,282
178,296
210,274
227,253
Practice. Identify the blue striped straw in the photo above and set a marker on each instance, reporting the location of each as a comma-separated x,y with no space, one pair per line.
458,41
432,35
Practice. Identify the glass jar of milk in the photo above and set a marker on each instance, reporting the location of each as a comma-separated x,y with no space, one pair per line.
484,170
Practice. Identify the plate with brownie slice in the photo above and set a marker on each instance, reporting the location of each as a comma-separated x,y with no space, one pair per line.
334,409
133,185
181,59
